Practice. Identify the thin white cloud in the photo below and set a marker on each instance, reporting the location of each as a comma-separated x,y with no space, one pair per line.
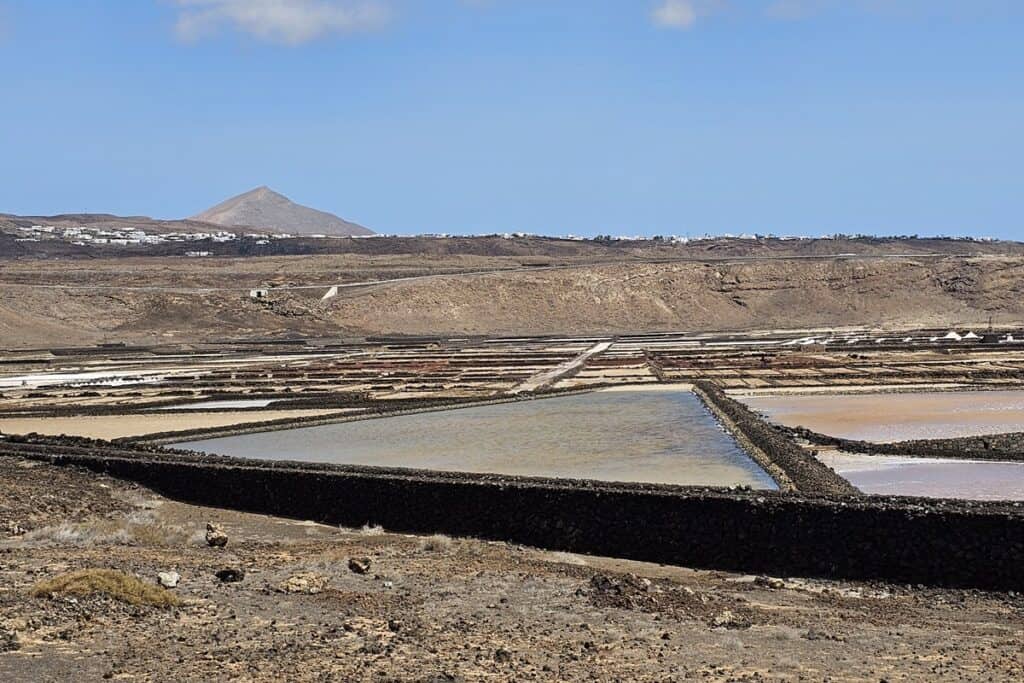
675,14
285,22
683,14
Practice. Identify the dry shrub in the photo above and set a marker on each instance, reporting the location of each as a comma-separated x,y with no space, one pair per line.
110,582
135,529
436,543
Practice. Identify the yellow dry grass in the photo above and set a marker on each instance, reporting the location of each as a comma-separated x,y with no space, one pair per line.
116,584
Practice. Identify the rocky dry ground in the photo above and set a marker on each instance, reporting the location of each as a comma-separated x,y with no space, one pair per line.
319,603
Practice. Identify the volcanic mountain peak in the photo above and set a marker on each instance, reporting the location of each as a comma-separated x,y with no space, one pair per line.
264,208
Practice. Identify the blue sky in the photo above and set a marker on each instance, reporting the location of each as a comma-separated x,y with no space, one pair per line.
553,116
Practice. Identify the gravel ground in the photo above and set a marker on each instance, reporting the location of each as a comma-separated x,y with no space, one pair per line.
319,603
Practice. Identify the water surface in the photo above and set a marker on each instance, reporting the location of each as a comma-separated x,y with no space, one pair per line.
898,417
929,477
637,436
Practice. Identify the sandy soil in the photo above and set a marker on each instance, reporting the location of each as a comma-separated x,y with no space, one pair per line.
117,426
439,609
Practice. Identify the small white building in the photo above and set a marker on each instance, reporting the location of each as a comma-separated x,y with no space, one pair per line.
258,293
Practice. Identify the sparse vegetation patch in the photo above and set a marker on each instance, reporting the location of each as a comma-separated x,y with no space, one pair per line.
115,584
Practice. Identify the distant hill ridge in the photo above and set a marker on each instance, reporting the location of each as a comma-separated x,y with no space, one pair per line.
263,208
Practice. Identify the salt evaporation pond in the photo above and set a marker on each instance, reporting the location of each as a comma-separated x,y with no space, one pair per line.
898,417
227,403
629,436
929,477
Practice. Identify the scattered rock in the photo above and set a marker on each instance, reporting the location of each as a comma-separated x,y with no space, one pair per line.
168,579
372,645
818,634
216,537
14,529
230,575
770,582
9,641
307,583
359,565
726,619
630,583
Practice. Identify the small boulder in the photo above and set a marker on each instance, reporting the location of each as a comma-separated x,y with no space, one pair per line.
14,529
168,579
359,565
307,583
726,619
216,537
230,575
9,641
770,582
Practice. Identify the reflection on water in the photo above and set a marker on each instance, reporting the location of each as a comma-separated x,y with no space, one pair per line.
929,477
898,417
665,437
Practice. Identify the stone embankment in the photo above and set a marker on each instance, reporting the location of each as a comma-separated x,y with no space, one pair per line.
792,467
1007,447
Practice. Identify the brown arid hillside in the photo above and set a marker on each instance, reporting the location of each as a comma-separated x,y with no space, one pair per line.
697,296
163,300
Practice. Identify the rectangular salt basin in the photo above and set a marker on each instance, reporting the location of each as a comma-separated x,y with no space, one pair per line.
929,477
898,417
629,436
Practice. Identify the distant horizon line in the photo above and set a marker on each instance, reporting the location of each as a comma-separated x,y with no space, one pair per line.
597,237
